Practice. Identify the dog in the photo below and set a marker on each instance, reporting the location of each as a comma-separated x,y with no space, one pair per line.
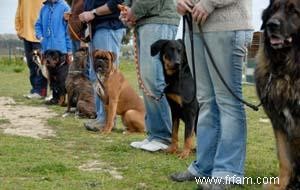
277,77
117,95
57,66
80,90
180,91
37,59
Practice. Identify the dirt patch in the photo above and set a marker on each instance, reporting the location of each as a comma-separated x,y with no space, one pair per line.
95,165
24,120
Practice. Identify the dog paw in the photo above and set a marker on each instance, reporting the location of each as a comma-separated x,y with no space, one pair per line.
172,149
184,154
105,131
66,114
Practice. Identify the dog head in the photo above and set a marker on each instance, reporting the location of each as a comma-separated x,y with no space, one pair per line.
80,59
103,61
281,23
171,54
53,58
36,56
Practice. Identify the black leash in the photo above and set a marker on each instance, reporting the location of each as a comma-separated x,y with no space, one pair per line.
189,20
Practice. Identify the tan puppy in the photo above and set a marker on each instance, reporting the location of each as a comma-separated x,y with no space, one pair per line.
117,95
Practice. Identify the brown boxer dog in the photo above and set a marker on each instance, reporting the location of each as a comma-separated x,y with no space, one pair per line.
117,95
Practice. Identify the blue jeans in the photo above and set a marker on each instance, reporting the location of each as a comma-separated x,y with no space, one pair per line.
221,128
158,115
109,40
37,80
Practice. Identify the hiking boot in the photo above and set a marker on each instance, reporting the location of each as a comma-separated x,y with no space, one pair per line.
93,125
183,176
217,185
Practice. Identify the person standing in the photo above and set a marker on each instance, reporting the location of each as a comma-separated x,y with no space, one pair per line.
107,32
153,20
51,29
221,128
26,16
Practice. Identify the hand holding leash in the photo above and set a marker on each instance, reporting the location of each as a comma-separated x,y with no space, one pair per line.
184,6
126,15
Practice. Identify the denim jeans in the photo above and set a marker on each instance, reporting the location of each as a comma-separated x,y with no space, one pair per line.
109,40
158,115
37,80
221,128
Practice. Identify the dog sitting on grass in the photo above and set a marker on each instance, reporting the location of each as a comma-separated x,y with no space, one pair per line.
79,89
57,66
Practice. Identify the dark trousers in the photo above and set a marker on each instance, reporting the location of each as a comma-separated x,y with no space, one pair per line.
37,80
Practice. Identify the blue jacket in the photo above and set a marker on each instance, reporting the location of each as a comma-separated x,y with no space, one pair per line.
52,27
110,21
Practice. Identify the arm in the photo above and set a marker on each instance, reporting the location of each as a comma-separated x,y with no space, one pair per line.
18,19
108,8
39,28
210,5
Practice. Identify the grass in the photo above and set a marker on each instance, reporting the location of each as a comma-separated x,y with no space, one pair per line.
52,163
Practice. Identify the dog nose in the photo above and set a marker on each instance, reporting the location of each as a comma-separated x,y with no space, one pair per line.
273,24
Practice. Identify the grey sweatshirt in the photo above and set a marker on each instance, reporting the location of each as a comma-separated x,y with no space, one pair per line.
226,15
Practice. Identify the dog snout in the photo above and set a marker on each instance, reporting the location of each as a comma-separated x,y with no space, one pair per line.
273,24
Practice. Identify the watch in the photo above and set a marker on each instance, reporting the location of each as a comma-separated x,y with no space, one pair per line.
94,12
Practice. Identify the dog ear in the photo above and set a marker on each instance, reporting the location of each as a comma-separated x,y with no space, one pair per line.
265,15
157,46
113,56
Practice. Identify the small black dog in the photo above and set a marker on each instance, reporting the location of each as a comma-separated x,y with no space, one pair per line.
180,90
57,66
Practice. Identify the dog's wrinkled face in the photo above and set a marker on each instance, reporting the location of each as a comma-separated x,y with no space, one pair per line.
103,61
52,58
171,53
281,22
80,58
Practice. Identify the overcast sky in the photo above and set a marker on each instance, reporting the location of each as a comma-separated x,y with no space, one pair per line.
8,11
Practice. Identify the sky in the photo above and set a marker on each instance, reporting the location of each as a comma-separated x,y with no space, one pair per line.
8,11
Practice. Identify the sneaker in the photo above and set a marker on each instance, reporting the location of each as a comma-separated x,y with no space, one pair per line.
138,144
183,176
33,96
153,146
93,125
48,97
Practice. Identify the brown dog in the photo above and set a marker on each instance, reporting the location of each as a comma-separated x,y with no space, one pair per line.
277,78
117,95
79,88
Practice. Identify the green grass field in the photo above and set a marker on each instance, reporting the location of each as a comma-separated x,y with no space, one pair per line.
53,163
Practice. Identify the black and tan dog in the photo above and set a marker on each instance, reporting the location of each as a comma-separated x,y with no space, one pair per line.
117,95
180,91
278,86
79,89
57,66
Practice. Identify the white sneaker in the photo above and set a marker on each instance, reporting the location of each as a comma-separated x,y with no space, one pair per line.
48,98
154,146
33,96
138,144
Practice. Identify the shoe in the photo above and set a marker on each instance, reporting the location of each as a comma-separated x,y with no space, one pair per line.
93,125
153,146
33,96
48,97
52,102
183,176
138,144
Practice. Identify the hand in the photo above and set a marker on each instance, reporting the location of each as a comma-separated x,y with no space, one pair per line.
86,16
199,14
184,6
128,17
